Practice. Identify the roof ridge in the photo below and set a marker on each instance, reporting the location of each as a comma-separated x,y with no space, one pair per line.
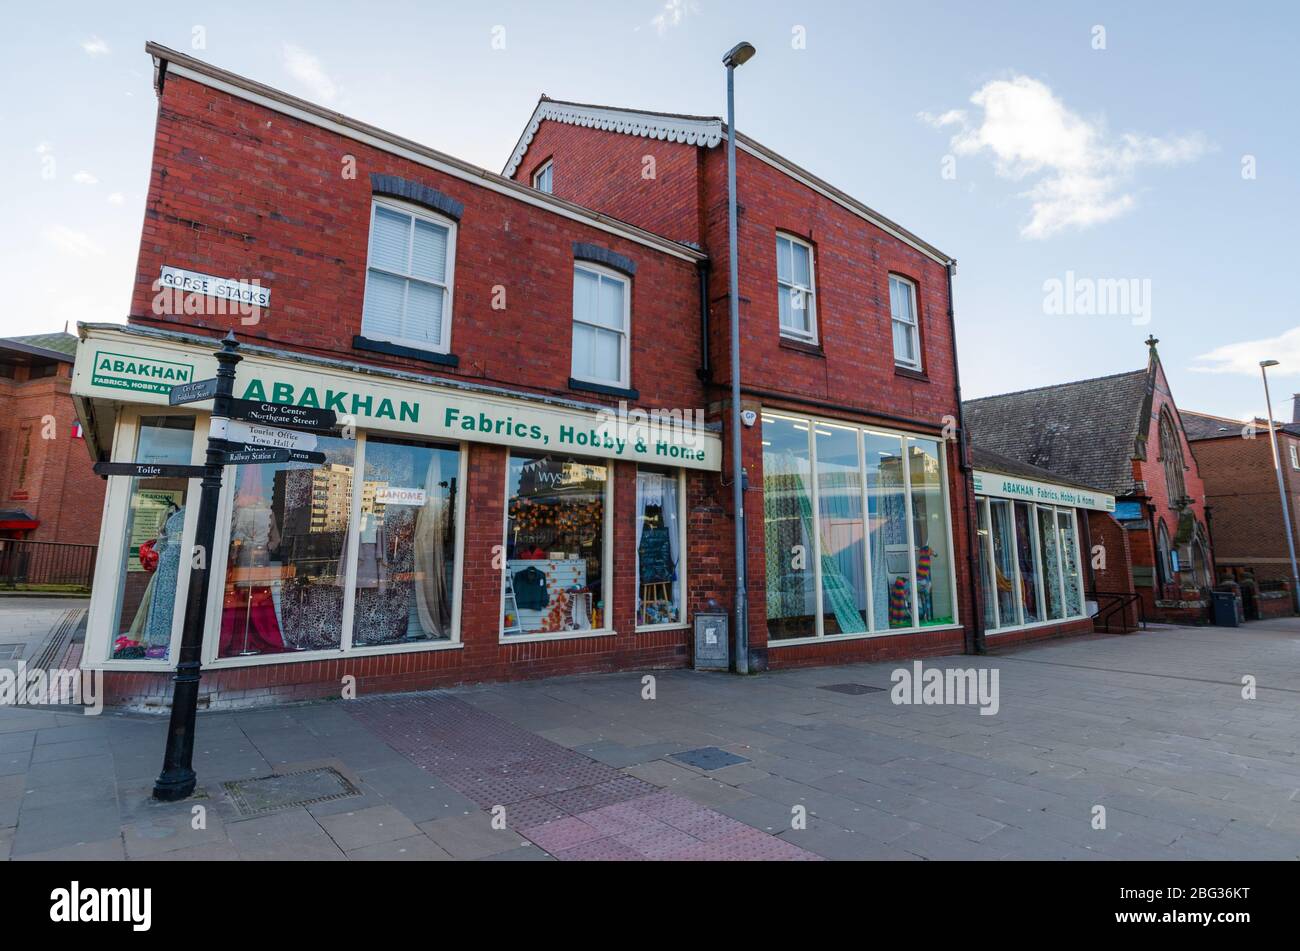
642,112
1057,386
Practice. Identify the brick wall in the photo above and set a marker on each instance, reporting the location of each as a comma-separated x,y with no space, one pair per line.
60,489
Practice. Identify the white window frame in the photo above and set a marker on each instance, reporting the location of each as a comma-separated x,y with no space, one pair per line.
606,568
547,166
624,380
809,292
985,503
680,477
443,345
1295,456
820,634
110,565
914,327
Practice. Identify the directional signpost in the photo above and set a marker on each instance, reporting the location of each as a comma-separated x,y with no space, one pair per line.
248,447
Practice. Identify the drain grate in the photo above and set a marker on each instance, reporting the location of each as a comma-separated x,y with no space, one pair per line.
709,757
11,651
256,797
853,690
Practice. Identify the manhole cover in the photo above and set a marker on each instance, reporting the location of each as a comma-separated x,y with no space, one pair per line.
709,757
254,797
11,651
852,690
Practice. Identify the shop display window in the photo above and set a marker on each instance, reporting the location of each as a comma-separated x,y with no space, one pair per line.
877,556
659,548
286,567
555,557
152,543
1029,556
406,543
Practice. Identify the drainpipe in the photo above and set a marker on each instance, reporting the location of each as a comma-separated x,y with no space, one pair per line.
975,637
705,372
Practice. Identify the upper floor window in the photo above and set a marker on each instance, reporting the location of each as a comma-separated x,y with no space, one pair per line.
1171,455
797,296
602,312
409,277
902,316
1295,457
542,178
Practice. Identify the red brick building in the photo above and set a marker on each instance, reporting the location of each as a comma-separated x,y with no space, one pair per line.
531,371
1124,435
48,492
1235,460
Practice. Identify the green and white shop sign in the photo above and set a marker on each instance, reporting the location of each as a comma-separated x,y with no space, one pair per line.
116,364
1001,486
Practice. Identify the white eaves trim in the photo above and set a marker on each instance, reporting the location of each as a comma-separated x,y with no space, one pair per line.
685,129
179,64
705,132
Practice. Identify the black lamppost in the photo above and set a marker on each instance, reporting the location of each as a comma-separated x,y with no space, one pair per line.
176,781
738,55
1281,485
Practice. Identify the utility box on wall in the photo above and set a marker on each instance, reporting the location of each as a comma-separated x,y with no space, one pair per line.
712,650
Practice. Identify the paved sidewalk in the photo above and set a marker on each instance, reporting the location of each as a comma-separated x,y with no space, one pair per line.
1152,727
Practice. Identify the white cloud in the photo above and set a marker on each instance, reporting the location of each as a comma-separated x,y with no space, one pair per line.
1244,357
673,14
83,177
70,241
1077,174
116,198
94,46
308,70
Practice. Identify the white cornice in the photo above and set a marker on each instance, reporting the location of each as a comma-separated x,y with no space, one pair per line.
687,130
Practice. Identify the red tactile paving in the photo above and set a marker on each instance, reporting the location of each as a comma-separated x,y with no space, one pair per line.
568,804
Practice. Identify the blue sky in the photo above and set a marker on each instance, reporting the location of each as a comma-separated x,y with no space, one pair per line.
1001,132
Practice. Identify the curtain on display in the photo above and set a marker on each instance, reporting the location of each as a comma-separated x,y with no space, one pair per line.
843,562
787,529
1051,561
887,522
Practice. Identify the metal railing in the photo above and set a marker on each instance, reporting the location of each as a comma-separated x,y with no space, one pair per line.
1116,604
36,566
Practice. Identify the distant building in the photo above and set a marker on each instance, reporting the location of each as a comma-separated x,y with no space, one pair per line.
1124,435
1235,459
47,489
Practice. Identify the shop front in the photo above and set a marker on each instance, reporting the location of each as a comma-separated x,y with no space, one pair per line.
448,529
1032,536
857,539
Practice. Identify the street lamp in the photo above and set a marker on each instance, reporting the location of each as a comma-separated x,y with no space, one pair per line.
738,55
1281,488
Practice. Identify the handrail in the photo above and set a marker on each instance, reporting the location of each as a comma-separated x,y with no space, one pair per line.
1119,603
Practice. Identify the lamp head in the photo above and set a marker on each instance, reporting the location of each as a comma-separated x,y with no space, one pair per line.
1268,363
738,55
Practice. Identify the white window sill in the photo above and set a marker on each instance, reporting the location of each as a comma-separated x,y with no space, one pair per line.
892,632
555,636
651,628
994,632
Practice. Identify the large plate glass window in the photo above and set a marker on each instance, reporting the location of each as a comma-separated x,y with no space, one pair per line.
659,544
555,546
286,562
601,316
856,530
1029,562
152,550
796,295
409,277
406,551
902,316
934,595
840,524
788,528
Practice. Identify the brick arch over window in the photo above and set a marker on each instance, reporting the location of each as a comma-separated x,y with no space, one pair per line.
1171,456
